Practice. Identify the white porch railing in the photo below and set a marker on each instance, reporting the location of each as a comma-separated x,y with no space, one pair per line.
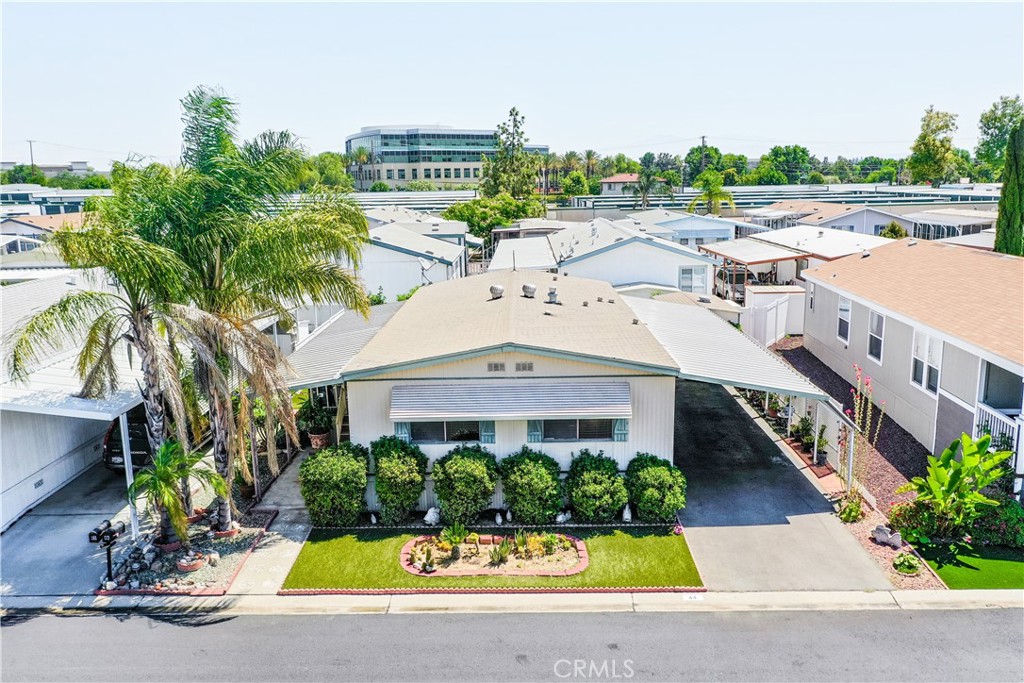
988,420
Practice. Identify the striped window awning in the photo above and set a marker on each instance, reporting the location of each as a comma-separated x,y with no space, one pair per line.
510,401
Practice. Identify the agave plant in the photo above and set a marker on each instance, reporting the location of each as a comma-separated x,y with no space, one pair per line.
160,483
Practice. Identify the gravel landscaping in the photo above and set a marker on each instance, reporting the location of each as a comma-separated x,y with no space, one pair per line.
883,555
898,457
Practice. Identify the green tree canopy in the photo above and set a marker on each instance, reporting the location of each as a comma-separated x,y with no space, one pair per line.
932,159
712,159
994,130
711,196
24,175
575,184
1010,224
510,170
793,161
893,231
486,213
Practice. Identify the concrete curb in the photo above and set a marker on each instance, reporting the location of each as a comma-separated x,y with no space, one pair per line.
230,605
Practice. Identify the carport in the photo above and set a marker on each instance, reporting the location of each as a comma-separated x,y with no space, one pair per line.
746,254
53,390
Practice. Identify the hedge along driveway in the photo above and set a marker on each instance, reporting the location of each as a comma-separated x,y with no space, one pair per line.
339,559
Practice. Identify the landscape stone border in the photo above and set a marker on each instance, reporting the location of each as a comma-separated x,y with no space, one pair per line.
506,590
581,564
204,591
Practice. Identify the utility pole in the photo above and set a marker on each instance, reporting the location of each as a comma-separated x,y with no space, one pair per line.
702,153
31,155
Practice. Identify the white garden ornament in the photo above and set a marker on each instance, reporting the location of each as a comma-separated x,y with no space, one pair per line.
627,514
433,516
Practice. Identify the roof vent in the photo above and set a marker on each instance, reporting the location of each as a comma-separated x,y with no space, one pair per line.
586,303
704,299
611,301
72,280
821,233
497,291
865,253
911,243
600,298
553,296
529,290
635,321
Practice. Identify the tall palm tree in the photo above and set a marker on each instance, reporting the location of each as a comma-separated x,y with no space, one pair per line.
591,160
244,261
141,317
571,161
159,482
360,157
712,195
549,162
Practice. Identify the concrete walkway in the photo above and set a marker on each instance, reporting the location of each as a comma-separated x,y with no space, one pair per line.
754,521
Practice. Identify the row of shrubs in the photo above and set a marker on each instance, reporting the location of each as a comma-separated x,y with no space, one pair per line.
333,482
1001,524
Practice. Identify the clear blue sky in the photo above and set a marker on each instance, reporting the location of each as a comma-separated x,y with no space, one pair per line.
849,79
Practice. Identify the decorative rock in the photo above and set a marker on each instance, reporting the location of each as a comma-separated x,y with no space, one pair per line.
508,516
210,533
373,519
497,519
627,514
432,517
563,517
110,585
157,566
885,536
213,559
134,584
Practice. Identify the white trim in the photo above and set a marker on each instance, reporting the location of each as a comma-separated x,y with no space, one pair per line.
881,339
995,359
957,400
923,386
849,319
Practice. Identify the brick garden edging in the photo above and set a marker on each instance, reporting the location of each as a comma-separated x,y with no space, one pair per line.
502,591
204,591
581,550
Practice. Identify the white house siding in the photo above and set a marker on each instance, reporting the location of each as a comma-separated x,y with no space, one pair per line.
650,429
912,408
864,222
41,453
637,262
396,272
958,375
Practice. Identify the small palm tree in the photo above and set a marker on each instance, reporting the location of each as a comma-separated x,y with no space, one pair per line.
159,482
646,185
712,196
571,161
591,160
360,157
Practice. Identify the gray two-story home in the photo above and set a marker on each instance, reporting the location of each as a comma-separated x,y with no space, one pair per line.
940,330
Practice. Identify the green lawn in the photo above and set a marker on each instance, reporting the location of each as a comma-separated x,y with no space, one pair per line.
631,558
977,567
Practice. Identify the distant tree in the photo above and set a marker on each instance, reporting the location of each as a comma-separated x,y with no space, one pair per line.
932,159
594,185
737,162
647,161
793,161
672,177
575,184
95,181
620,163
1010,224
591,159
510,170
571,161
843,169
647,184
486,213
994,129
667,162
815,178
765,174
702,158
330,166
711,196
25,175
420,186
360,157
886,174
730,177
893,231
380,186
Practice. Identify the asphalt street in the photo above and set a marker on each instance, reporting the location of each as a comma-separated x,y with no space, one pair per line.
889,645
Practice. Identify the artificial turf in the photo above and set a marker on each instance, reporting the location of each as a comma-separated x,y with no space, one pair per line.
619,558
964,566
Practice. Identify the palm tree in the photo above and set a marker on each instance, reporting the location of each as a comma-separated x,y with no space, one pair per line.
549,163
712,195
571,162
646,185
159,482
142,314
244,262
591,159
360,157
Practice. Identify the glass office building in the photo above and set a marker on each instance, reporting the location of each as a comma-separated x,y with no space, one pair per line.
441,155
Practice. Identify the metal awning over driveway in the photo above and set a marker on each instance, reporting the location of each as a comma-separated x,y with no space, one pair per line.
511,401
708,349
751,252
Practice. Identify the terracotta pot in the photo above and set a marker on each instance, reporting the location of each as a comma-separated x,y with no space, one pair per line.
191,565
772,412
318,441
247,490
168,547
225,534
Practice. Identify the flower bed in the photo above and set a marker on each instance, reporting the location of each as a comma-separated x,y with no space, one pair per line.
561,555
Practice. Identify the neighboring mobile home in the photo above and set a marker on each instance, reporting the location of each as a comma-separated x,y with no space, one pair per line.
938,327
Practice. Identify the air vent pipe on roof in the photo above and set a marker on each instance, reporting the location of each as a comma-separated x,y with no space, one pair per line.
529,290
552,295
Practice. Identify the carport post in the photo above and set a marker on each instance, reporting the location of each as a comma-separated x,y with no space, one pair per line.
814,450
849,459
129,473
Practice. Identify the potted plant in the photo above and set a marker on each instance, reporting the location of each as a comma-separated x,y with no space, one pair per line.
245,489
821,445
807,443
160,481
316,420
773,406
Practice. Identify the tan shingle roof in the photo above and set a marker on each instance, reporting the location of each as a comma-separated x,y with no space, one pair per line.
52,222
459,316
973,295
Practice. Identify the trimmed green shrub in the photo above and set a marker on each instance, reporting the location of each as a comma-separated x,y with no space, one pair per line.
399,485
334,488
387,446
914,520
531,487
345,448
464,481
655,487
595,490
1000,525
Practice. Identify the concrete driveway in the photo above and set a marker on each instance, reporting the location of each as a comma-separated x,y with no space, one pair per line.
47,552
753,522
